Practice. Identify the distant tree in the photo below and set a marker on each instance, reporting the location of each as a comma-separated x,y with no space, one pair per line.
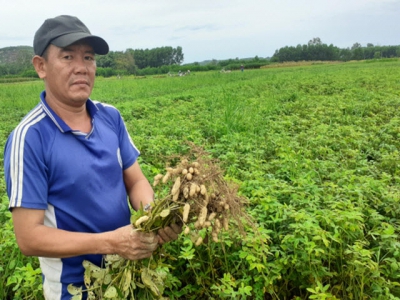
358,53
106,61
356,46
116,60
389,51
345,54
24,60
4,70
125,61
140,57
333,52
314,50
370,45
369,52
298,53
105,72
315,41
157,57
30,72
178,56
131,59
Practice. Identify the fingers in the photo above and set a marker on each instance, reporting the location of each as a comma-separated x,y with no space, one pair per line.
145,241
160,240
141,256
146,238
176,228
169,233
138,254
137,245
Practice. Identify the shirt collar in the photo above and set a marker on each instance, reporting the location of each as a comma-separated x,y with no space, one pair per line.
61,125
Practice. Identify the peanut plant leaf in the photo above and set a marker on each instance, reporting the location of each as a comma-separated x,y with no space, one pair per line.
127,280
73,290
111,292
91,296
86,277
147,278
107,279
98,273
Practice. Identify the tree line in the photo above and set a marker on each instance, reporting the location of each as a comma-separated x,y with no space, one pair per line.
163,60
212,65
130,61
113,63
316,50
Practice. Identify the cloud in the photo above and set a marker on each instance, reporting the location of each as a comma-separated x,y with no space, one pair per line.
212,28
205,27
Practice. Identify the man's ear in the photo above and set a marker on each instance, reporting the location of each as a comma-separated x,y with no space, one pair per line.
40,67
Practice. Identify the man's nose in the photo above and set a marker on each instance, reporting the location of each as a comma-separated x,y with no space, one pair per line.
80,65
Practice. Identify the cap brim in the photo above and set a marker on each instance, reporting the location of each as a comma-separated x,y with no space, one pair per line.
99,45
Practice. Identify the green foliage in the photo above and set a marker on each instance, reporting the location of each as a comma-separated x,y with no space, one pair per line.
20,277
15,60
115,62
312,51
157,57
315,149
30,73
318,51
138,61
105,72
26,282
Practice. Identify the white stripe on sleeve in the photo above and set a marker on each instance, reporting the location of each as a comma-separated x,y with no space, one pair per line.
17,155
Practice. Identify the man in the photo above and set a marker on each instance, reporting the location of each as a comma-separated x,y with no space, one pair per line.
70,166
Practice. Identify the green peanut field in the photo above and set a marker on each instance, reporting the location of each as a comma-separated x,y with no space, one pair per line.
315,149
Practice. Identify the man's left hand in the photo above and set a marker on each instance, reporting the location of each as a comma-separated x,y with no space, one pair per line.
169,233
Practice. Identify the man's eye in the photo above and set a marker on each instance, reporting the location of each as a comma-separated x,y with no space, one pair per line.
68,57
91,58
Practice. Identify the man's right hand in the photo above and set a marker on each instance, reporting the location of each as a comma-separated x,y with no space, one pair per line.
133,245
36,239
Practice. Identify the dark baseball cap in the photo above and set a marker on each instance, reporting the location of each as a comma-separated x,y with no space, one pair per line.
63,31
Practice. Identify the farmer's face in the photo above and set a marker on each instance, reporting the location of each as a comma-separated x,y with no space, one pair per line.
69,73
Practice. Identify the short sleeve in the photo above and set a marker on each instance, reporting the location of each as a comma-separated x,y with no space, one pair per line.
25,169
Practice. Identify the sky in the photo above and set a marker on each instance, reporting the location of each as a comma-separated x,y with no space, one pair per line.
211,29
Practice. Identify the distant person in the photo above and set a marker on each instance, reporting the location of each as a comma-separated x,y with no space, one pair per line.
71,166
242,68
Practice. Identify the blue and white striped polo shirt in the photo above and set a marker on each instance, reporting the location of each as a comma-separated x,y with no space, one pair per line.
77,178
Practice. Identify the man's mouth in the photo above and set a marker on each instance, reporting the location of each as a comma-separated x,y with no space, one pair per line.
80,82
